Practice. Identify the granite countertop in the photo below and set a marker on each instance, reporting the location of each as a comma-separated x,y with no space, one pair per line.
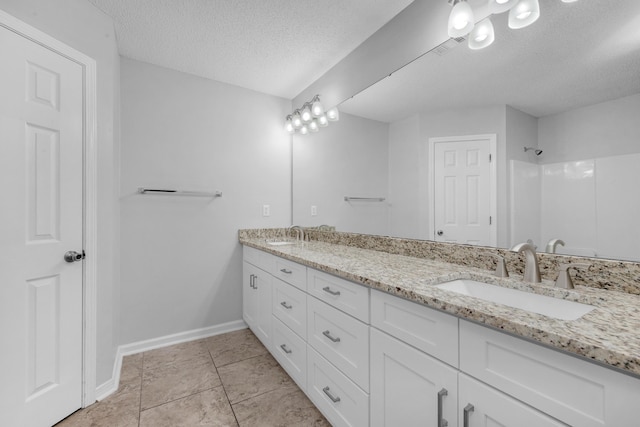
609,334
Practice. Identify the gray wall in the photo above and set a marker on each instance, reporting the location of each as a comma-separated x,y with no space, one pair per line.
181,261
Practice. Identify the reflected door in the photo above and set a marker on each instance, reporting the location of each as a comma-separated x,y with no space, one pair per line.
41,170
464,194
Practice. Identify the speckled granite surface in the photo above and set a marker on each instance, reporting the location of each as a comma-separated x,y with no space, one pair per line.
610,334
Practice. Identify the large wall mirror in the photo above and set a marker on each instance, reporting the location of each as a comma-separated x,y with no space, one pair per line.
567,87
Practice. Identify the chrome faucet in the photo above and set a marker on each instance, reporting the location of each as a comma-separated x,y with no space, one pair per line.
299,232
531,269
551,246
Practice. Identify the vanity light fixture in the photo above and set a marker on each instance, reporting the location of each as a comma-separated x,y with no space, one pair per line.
310,117
522,13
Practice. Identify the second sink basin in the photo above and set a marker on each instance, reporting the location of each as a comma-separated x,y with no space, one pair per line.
541,304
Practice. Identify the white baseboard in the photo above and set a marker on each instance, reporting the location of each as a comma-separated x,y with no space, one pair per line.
111,386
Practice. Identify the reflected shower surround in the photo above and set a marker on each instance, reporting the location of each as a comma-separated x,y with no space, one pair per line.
522,13
310,117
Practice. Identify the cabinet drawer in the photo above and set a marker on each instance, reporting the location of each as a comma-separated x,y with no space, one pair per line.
349,297
291,352
290,306
290,272
258,258
573,391
427,329
341,339
490,407
339,399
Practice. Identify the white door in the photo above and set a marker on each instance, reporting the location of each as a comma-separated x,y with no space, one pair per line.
464,192
408,387
41,170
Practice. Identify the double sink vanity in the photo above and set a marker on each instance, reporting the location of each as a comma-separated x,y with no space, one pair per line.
400,337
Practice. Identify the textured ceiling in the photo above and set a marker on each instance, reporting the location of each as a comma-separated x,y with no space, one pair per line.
277,47
576,54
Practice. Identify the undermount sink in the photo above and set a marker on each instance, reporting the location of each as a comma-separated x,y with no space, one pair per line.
541,304
281,243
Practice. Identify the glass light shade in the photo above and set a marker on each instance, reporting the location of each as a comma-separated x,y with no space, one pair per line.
499,6
525,13
317,109
296,121
304,130
313,126
288,126
482,35
305,115
333,115
323,122
461,20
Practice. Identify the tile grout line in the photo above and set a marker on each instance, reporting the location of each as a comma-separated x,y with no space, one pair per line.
224,390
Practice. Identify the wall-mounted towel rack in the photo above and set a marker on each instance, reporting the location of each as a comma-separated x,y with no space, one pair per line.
363,199
166,192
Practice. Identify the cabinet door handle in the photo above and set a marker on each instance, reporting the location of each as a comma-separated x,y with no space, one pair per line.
466,411
285,305
285,271
251,280
328,335
441,421
285,349
329,291
327,391
255,282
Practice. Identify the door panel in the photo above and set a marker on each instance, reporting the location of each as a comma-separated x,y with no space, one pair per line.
41,164
462,191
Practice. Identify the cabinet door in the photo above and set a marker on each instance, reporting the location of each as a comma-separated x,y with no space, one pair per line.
262,288
408,386
483,406
249,295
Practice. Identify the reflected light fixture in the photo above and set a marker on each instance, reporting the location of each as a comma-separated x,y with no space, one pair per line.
310,117
522,13
482,35
461,19
500,6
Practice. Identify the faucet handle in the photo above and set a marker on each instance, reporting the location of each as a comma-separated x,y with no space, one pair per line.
564,278
501,268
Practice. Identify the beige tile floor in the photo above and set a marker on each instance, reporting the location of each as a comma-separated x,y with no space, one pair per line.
225,380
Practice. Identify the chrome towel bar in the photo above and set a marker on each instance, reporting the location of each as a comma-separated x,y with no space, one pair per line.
167,192
364,199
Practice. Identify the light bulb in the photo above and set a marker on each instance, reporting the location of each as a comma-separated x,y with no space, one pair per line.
296,120
317,109
306,114
288,126
333,115
482,35
313,126
499,6
525,13
323,122
461,20
304,130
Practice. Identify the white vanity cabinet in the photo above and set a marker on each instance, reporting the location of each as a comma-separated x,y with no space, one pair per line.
408,387
256,301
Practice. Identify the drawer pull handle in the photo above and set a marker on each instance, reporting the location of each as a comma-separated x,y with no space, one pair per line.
441,421
285,305
329,291
328,335
466,411
327,391
285,271
285,349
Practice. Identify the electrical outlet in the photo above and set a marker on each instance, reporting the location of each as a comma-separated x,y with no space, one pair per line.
314,210
266,210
